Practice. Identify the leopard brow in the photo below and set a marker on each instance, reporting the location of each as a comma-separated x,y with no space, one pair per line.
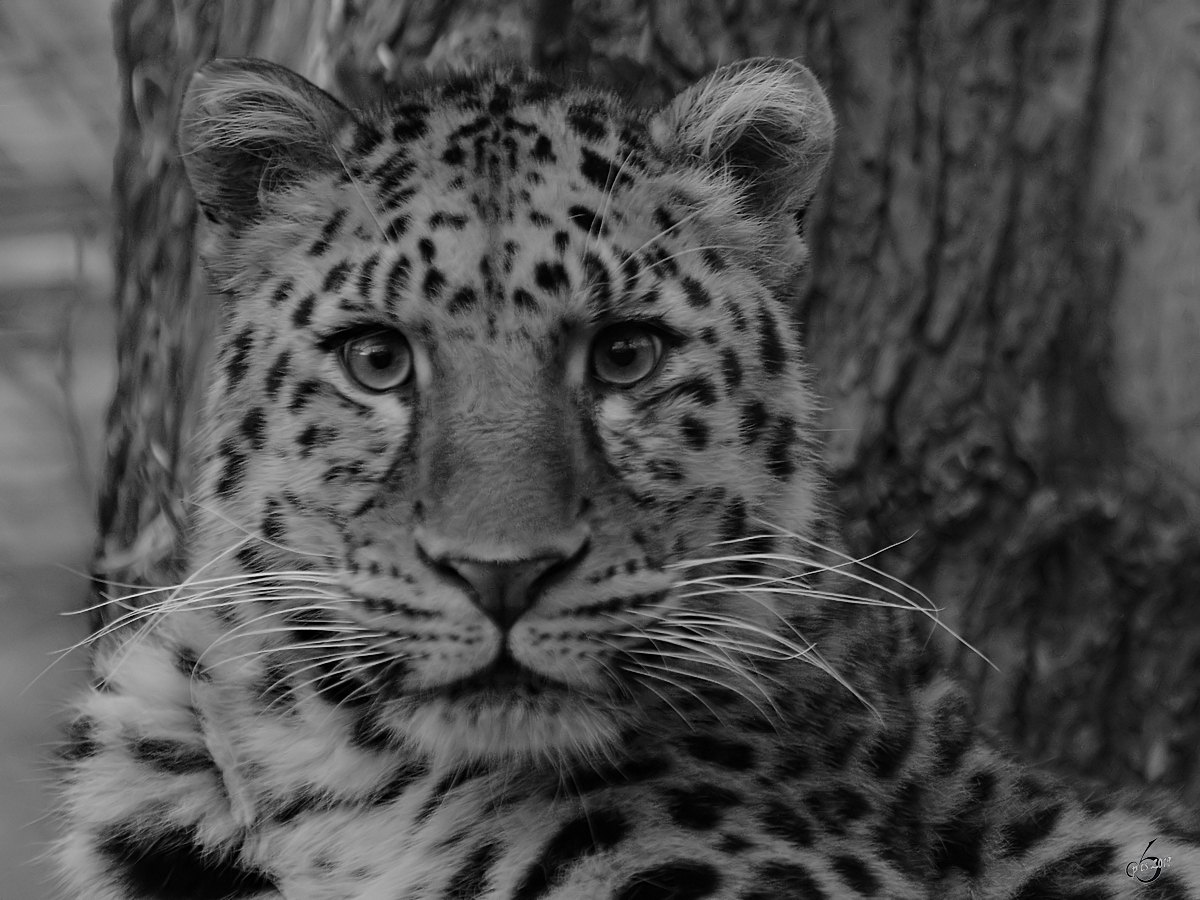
332,339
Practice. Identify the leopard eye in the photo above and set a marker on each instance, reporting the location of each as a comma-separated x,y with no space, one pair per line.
379,361
625,354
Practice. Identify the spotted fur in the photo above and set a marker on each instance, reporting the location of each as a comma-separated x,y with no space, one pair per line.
509,571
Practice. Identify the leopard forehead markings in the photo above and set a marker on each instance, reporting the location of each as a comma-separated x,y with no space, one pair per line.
547,248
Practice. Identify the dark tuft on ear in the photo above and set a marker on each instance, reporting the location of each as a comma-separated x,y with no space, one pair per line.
766,121
250,128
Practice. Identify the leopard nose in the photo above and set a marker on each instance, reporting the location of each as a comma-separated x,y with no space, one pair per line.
503,590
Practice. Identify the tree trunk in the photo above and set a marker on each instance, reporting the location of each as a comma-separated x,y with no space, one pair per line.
959,318
960,321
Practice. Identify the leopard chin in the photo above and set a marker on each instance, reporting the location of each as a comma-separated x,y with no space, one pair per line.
471,725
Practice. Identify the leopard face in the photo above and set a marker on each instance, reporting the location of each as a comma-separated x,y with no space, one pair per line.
508,408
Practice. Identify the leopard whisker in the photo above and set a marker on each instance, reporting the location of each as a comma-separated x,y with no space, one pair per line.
243,629
201,601
97,579
700,676
666,231
173,592
809,655
849,562
192,581
798,651
931,611
844,568
683,251
362,688
338,651
358,190
154,614
716,629
661,695
251,534
122,600
149,617
649,670
145,591
696,651
700,651
608,197
795,592
362,659
723,621
343,642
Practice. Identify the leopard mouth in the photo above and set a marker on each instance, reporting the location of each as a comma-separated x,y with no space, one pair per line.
504,680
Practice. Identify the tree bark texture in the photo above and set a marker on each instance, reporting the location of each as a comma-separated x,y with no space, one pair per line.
959,318
960,322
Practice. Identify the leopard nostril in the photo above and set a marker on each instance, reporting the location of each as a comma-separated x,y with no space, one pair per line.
503,590
503,581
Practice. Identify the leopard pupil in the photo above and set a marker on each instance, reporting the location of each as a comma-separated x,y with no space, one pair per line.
381,358
623,354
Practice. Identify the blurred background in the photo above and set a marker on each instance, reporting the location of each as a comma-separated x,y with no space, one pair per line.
58,127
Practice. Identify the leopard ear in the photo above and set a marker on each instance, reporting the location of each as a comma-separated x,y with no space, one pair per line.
249,129
765,121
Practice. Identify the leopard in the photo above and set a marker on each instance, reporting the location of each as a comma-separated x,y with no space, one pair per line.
511,568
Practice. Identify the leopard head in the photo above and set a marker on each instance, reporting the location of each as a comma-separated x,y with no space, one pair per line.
508,416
